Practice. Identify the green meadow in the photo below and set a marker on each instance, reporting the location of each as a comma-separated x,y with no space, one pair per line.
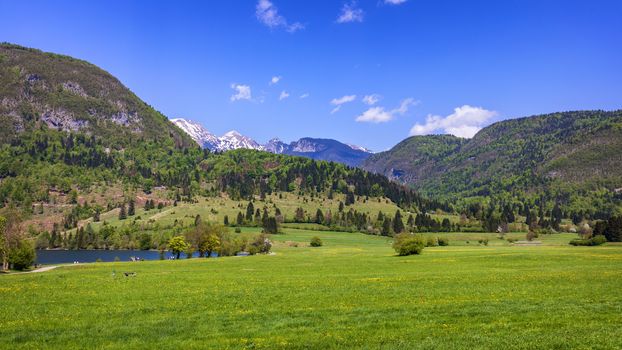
353,292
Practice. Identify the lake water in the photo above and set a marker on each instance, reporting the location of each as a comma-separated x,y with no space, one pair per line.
85,256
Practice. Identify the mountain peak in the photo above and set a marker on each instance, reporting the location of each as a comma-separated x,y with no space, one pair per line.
321,149
232,133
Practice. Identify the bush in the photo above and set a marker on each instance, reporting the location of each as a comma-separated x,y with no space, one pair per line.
443,241
261,244
316,242
408,244
596,240
483,241
23,256
531,235
580,242
238,230
432,242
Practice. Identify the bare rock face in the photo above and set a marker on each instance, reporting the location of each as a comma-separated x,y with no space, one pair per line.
63,93
74,88
62,120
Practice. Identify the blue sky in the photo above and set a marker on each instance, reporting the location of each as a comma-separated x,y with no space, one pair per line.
425,66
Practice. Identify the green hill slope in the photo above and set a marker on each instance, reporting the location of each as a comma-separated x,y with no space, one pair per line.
45,90
573,158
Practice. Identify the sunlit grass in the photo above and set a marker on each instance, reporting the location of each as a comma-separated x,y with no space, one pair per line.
353,293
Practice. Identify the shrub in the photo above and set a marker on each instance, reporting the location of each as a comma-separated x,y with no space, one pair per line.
238,230
316,242
443,241
580,242
408,244
432,242
483,241
598,240
23,256
531,235
261,244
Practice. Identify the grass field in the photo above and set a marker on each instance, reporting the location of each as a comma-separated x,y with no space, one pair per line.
351,293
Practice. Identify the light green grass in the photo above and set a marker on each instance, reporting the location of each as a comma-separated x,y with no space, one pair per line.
214,209
351,293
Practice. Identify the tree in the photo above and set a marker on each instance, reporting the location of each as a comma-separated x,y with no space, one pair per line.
226,220
350,198
319,217
15,249
131,210
4,244
613,232
386,227
205,238
271,226
122,213
556,216
145,241
177,245
23,255
250,210
398,224
240,219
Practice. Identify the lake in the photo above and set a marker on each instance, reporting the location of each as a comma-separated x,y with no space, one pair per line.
84,256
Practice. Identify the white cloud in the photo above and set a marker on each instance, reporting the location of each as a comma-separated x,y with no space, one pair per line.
465,122
269,15
380,115
284,95
371,99
275,80
350,12
337,102
342,100
394,2
305,95
243,92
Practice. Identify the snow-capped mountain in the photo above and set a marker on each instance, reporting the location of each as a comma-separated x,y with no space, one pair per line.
205,139
320,149
198,133
235,140
277,146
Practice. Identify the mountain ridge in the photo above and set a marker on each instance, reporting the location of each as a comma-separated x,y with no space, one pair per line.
315,148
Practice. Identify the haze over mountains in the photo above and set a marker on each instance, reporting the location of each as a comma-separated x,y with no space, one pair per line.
314,148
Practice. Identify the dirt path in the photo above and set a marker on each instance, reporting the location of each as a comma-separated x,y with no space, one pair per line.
42,269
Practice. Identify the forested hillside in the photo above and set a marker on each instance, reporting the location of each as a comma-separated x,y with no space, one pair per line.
76,143
572,159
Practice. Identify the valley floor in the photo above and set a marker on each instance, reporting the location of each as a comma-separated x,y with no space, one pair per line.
351,293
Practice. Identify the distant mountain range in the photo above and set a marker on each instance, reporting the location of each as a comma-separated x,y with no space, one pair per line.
319,149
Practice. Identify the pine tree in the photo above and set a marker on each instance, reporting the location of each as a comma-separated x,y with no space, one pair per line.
226,220
240,219
319,217
122,213
398,224
250,209
131,210
386,227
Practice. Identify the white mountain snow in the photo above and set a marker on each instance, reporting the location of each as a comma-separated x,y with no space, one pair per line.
234,140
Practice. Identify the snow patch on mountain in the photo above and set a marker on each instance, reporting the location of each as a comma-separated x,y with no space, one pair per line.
234,140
